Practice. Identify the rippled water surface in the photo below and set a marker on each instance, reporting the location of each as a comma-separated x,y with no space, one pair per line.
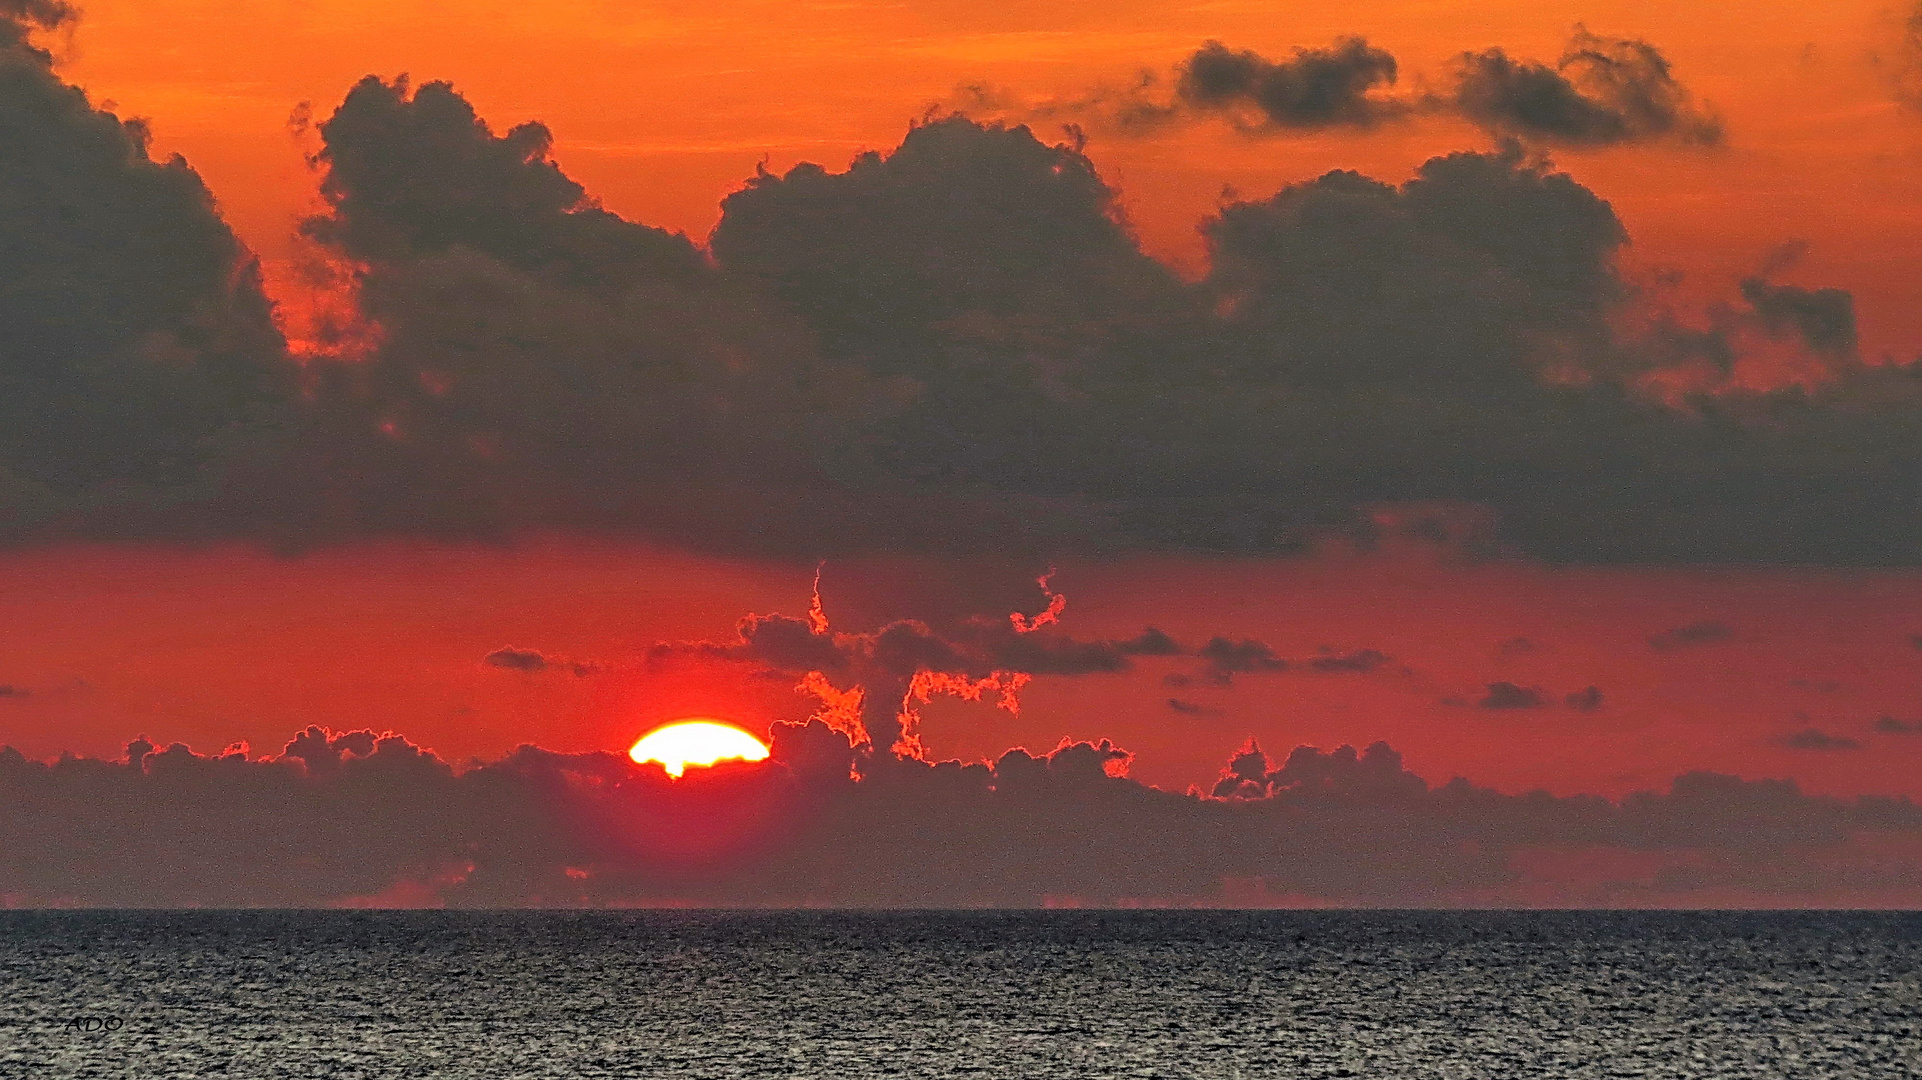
1037,994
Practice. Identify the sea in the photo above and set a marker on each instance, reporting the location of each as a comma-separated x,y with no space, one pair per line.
1071,994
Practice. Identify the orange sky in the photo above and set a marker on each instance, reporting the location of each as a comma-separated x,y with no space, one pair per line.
661,109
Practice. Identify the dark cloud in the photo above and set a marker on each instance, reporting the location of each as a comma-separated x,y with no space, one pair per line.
1225,658
971,251
538,361
139,355
1706,632
8,690
1812,739
956,346
415,172
1190,708
1822,318
1601,92
1315,88
531,661
367,817
869,683
1461,277
1889,725
1585,700
1151,642
1508,695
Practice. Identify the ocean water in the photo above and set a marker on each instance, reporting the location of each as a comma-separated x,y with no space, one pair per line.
1481,995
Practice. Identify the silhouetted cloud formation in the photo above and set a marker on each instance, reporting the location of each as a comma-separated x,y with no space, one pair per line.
870,682
1225,658
138,355
956,346
530,660
358,818
1822,318
1508,695
1460,277
1315,88
1602,91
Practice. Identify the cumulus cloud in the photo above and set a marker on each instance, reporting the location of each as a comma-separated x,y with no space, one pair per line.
1481,270
540,361
342,818
1601,92
955,345
139,355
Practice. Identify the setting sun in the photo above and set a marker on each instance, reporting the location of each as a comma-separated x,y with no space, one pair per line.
696,742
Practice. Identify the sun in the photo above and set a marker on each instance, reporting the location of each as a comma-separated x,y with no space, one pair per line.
696,741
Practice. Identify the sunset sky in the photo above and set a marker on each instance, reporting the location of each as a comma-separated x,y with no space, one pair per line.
1583,459
662,109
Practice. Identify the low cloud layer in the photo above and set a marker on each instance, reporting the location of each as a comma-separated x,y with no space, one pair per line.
365,818
955,345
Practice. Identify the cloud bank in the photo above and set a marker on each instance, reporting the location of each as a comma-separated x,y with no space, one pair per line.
364,818
139,351
955,346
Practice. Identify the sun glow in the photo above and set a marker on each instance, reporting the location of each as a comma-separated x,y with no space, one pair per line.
696,742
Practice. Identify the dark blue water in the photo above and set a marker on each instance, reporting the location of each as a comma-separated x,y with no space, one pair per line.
1031,994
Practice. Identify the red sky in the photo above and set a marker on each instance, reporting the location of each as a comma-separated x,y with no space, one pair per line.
219,645
662,109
